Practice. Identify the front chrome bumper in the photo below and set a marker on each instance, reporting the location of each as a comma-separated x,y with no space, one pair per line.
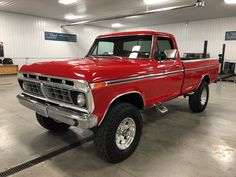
60,114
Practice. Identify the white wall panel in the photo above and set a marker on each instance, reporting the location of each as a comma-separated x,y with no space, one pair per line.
190,36
23,37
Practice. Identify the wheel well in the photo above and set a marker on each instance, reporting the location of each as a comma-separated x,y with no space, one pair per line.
206,78
133,98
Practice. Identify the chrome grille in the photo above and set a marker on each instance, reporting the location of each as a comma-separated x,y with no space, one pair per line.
49,79
53,88
33,88
56,93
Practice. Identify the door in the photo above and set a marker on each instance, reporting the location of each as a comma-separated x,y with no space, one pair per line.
173,67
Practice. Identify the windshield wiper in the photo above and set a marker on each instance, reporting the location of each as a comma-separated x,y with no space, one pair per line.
93,57
96,56
116,56
112,56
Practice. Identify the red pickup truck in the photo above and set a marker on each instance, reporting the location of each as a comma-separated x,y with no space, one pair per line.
122,74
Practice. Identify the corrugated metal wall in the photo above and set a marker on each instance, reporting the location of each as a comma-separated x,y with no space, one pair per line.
190,36
23,37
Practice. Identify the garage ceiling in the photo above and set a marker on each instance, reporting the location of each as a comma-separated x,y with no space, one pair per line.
95,9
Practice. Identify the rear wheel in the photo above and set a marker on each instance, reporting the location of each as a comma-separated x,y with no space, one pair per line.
119,135
51,125
199,100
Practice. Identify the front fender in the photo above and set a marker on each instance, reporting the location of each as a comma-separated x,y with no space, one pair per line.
104,97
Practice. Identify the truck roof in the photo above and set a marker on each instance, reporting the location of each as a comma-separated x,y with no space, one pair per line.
134,33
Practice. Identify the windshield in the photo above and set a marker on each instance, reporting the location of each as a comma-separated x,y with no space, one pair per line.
126,46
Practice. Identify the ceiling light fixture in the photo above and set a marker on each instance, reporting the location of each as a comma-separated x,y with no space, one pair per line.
73,17
150,2
67,2
230,1
116,25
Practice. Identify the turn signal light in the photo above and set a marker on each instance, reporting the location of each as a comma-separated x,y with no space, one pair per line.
98,85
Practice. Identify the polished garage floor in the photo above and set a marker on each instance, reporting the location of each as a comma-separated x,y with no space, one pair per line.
178,143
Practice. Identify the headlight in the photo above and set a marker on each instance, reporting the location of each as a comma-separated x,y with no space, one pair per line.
24,87
81,100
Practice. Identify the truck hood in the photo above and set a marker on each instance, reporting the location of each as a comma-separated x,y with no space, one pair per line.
90,69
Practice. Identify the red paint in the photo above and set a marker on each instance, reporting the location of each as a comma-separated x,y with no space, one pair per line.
153,90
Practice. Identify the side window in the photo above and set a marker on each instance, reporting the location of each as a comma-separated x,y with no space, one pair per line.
164,44
104,48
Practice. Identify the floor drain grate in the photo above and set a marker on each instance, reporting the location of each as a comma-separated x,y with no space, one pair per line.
43,158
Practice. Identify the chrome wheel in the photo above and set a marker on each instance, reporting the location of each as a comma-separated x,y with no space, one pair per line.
204,97
125,133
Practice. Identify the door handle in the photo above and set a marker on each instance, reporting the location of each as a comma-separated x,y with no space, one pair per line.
150,69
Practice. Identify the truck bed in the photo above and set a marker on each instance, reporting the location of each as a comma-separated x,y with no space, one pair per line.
199,68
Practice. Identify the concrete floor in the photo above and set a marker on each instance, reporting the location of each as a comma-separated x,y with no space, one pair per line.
178,143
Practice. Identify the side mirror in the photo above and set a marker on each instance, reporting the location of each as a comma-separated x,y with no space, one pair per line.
166,54
170,54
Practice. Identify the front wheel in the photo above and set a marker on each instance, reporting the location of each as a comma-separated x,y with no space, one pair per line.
119,135
199,100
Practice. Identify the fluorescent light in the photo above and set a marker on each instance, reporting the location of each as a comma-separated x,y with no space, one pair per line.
67,2
116,25
149,2
2,2
73,17
230,1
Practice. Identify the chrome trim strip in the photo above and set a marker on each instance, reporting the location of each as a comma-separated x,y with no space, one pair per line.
130,79
61,114
203,59
112,82
122,94
202,67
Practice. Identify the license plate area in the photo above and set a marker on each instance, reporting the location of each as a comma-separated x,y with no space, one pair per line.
41,110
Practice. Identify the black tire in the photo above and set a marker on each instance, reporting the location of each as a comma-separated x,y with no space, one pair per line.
105,135
51,124
195,100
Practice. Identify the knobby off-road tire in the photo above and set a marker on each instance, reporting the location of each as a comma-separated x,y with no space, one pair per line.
51,124
199,100
119,134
